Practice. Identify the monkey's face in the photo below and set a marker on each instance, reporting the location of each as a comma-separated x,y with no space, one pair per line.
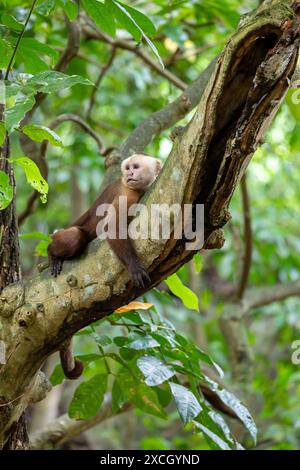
139,171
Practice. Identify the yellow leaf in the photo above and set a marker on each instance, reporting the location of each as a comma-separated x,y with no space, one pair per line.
133,306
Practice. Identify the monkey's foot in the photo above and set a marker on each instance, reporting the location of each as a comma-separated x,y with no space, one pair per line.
56,266
140,276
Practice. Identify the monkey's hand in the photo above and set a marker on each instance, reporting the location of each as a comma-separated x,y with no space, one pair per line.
139,275
55,265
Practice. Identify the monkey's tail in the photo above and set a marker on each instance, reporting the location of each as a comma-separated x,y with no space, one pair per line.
72,367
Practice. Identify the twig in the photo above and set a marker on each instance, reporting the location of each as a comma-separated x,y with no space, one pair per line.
30,206
259,297
64,428
19,40
248,239
69,53
121,44
72,46
104,70
83,124
168,116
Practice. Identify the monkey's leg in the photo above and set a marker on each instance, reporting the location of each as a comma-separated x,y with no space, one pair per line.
66,244
55,265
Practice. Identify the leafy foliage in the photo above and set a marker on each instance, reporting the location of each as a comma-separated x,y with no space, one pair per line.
41,133
33,175
6,190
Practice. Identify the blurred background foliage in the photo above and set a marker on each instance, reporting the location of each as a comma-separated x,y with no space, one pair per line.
189,35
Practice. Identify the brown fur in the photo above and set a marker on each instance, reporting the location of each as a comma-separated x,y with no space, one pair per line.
138,173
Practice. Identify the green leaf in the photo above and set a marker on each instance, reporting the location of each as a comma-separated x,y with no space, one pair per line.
6,51
117,396
88,397
6,191
154,370
101,15
186,402
197,262
126,19
141,20
57,376
11,22
234,403
70,8
32,62
188,297
2,132
41,133
52,82
221,444
29,44
145,342
15,114
38,235
102,340
46,7
41,248
138,393
33,175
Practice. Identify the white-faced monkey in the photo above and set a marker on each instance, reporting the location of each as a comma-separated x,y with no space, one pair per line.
138,173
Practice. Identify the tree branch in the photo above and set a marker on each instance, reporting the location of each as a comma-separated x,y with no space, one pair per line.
259,297
125,45
30,206
63,429
104,70
247,259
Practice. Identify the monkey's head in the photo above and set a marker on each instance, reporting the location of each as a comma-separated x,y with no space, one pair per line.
139,171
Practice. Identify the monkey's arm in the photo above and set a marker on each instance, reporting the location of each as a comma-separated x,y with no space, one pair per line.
125,251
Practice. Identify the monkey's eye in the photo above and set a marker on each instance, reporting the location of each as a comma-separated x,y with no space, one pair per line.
136,166
127,167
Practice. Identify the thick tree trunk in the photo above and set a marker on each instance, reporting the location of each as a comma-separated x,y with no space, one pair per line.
10,273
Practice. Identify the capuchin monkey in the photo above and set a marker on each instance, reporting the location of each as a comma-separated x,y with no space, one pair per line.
138,173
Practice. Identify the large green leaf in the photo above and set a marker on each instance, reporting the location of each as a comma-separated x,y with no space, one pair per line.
143,397
33,175
234,403
141,20
32,62
88,397
186,402
126,19
6,190
6,51
188,297
15,114
221,444
41,133
154,370
143,342
31,44
11,22
70,8
101,15
46,7
38,235
51,81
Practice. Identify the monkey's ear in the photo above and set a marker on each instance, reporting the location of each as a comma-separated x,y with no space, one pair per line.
158,166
